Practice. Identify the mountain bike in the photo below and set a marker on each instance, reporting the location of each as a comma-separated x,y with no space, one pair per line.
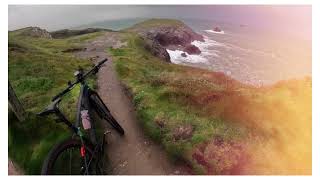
82,153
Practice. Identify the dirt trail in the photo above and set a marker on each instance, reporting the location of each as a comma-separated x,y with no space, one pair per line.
133,154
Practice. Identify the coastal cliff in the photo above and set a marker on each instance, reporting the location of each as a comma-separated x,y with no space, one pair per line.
157,34
213,123
162,34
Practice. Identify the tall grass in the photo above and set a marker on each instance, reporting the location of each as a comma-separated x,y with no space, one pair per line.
38,70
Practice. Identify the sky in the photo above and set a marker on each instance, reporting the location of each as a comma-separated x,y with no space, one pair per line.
54,17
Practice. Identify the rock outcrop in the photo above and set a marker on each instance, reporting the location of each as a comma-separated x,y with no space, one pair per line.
181,35
192,49
162,34
35,32
156,49
217,29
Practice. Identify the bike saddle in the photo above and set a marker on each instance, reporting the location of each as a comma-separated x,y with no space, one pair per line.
51,108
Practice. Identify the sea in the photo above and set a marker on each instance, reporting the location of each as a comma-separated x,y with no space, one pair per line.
251,54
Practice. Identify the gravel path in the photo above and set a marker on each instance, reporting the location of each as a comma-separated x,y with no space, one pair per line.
133,154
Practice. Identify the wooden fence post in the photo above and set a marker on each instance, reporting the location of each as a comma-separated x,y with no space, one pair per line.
15,104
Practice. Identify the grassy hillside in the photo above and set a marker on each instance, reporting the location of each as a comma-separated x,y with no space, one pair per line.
214,123
153,23
38,70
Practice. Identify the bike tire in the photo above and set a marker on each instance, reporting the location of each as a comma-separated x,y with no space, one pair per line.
58,149
104,113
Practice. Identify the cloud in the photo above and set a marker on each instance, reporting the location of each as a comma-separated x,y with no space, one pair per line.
63,16
53,17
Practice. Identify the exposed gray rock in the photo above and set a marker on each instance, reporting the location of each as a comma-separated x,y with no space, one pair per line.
192,49
217,29
170,34
156,49
35,32
162,36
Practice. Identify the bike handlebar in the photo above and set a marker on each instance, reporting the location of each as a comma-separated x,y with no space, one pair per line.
71,85
101,62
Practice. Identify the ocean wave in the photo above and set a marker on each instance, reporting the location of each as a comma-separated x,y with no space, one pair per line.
176,57
207,43
211,31
206,48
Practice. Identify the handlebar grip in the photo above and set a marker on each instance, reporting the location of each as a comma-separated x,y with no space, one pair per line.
101,62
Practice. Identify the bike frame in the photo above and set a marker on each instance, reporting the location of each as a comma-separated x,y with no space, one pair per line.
85,102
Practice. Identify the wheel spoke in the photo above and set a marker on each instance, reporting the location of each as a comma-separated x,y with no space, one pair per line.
70,162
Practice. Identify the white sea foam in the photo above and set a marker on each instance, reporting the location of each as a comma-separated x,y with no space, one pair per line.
207,43
211,31
176,57
205,47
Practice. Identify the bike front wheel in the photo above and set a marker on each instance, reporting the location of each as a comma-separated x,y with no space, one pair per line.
70,157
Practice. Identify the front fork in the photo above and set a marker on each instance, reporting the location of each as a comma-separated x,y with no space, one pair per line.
83,151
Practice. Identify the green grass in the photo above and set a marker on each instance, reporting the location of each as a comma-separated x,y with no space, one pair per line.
38,70
157,95
236,129
235,126
153,23
85,37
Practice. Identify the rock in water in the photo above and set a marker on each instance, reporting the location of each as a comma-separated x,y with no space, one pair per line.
183,54
192,49
216,29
